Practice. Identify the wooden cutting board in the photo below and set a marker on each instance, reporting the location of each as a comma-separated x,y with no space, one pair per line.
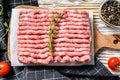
100,40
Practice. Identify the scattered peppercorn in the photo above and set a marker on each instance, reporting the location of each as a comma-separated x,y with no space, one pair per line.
111,12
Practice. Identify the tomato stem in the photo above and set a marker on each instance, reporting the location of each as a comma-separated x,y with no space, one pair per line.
118,66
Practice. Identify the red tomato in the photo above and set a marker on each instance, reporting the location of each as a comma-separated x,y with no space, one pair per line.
4,68
114,63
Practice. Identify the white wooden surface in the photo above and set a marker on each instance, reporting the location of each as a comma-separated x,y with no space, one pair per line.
106,54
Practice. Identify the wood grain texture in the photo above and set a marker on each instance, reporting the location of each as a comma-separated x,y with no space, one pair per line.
104,41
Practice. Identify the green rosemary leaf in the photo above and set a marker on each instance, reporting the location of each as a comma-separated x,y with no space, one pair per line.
53,19
7,30
50,47
5,24
52,30
1,11
60,15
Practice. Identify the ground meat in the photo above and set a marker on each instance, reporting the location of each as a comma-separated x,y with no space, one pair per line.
71,44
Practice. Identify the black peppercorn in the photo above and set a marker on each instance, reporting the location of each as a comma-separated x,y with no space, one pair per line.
111,12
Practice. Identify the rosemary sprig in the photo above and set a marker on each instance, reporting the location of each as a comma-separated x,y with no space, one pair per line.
6,31
4,24
52,31
50,41
51,34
